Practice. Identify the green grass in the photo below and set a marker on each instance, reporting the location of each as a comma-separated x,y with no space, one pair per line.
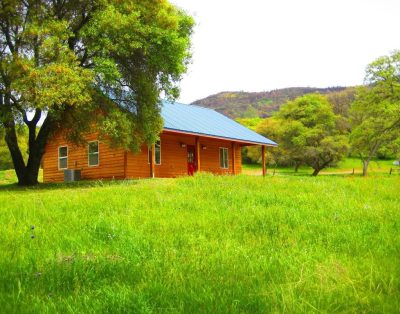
7,177
206,244
375,166
345,166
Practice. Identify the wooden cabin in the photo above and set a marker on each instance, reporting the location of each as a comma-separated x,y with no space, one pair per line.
193,139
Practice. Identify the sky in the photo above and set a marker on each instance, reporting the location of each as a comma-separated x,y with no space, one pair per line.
261,45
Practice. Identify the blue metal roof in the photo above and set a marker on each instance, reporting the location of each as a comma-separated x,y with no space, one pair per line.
203,121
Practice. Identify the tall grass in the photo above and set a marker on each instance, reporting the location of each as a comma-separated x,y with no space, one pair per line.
203,244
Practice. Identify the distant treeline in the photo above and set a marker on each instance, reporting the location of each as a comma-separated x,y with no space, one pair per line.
319,130
264,104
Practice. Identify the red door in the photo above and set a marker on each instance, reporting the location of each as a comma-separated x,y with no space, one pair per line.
191,159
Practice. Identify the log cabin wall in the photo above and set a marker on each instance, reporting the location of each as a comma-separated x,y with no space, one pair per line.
111,161
117,164
173,155
209,155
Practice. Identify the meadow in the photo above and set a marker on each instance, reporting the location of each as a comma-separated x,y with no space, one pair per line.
207,244
344,167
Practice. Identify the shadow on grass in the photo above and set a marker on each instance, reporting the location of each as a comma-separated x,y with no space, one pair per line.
86,184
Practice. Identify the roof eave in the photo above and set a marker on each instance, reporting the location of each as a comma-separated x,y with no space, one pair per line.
219,137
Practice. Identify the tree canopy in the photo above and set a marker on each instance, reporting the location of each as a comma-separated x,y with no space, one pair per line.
308,132
375,114
74,64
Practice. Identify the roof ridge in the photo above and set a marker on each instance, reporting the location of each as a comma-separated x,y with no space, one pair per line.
192,105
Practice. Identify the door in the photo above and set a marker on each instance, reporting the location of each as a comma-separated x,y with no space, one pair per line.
191,160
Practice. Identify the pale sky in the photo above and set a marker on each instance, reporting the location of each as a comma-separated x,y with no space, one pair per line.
259,45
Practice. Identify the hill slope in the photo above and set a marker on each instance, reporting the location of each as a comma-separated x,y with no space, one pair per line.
260,104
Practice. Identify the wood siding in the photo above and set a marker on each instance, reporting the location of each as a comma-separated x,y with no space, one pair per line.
111,161
118,164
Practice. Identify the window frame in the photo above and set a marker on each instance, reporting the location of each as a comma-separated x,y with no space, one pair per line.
149,153
65,157
227,157
97,153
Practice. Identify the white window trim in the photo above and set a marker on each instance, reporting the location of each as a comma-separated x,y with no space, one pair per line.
227,157
98,154
58,159
148,154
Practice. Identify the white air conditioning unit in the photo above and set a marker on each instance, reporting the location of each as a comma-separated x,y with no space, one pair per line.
71,175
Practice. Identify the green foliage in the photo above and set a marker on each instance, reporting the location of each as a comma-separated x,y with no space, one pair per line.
204,244
308,133
375,114
251,123
5,157
251,154
271,128
342,100
80,62
54,77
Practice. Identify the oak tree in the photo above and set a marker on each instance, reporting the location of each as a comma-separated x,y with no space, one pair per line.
308,132
375,113
71,64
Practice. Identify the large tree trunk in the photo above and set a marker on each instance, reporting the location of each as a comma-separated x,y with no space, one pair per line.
15,152
28,174
318,167
30,177
316,171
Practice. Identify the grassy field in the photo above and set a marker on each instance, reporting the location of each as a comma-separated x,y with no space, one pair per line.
345,166
7,177
204,244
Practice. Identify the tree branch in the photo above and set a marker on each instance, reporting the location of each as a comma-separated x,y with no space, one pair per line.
6,32
23,112
73,39
36,117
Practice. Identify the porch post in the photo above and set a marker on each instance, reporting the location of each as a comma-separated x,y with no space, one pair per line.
198,148
233,158
153,161
264,169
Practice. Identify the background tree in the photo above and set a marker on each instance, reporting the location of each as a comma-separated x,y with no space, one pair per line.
375,114
341,102
74,64
309,134
5,157
271,127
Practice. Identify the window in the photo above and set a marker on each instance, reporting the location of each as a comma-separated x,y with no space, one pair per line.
93,153
223,158
157,146
63,157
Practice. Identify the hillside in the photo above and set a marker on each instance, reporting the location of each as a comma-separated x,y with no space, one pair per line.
260,104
